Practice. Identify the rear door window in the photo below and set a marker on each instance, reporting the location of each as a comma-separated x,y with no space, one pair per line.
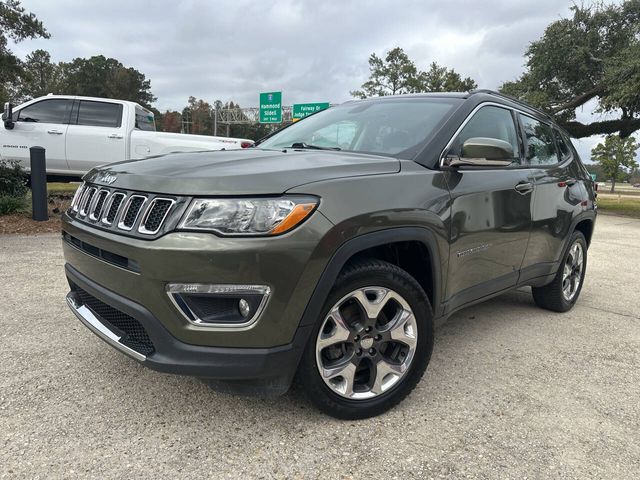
541,146
99,114
55,110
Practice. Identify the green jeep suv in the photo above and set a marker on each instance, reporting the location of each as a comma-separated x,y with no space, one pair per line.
330,251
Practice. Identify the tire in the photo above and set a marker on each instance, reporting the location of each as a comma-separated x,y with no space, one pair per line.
553,296
386,357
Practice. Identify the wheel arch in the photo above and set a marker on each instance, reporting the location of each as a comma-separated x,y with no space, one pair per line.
373,244
585,225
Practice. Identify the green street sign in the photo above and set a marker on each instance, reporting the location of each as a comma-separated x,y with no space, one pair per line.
301,110
593,177
271,107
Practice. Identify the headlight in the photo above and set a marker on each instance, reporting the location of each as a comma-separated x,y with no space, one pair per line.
247,216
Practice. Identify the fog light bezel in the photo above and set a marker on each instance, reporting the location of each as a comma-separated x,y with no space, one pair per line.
176,290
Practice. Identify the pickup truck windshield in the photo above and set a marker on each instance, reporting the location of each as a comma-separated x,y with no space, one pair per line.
397,127
145,120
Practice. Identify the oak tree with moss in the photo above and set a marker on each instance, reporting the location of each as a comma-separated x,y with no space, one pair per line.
594,55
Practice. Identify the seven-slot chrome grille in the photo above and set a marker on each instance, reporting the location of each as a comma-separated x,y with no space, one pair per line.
137,214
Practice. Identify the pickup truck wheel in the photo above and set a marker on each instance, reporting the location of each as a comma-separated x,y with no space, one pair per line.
372,343
562,293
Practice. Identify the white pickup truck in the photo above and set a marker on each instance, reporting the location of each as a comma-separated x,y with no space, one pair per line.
79,133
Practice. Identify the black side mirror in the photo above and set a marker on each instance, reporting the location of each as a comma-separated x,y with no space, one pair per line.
7,116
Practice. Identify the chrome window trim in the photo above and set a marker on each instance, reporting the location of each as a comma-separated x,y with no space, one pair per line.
174,289
106,210
93,215
125,210
142,229
468,119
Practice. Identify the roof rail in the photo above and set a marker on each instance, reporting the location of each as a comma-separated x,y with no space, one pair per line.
512,99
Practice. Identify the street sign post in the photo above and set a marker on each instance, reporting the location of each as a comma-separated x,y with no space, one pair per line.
301,110
271,107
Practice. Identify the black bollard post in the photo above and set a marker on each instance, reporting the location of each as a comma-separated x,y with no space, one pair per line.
40,211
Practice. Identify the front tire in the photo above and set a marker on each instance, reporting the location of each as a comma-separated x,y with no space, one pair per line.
372,343
562,293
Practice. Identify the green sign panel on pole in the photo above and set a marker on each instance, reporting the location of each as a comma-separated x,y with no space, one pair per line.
301,110
271,107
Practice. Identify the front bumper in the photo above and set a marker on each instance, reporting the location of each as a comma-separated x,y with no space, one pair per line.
250,370
141,270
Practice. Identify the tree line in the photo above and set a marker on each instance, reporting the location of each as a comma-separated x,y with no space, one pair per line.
589,60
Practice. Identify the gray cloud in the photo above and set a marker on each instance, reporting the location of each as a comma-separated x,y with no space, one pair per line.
312,51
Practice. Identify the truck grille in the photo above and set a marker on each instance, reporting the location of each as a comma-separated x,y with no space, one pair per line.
139,214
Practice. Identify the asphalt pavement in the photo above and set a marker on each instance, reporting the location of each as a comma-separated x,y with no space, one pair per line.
512,391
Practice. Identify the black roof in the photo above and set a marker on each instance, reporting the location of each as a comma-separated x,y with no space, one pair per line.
480,94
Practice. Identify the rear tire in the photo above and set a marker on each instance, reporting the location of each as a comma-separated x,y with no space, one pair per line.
562,293
373,342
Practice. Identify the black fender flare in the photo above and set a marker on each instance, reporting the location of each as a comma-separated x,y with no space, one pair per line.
356,245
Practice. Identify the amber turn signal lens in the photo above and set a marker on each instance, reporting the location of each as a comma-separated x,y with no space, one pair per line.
297,215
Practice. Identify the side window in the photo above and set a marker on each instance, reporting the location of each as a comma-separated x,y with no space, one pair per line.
563,146
47,111
99,114
488,123
541,147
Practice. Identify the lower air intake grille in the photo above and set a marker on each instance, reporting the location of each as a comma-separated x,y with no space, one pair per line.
134,334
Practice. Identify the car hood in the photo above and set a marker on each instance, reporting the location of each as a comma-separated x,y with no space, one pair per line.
238,172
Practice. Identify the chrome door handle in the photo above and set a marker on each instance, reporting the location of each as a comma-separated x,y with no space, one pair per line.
115,135
54,132
524,187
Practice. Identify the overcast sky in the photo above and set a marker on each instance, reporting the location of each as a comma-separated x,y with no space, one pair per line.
312,50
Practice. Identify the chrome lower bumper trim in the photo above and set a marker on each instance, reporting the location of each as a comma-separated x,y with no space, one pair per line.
90,321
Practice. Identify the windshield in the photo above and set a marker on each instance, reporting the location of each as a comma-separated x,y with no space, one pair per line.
145,120
397,127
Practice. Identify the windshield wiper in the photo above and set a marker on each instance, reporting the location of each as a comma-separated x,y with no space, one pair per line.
312,147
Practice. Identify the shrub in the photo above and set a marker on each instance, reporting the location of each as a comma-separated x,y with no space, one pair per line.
11,204
13,187
13,179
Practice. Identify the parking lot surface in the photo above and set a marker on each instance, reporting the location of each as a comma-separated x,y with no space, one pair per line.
512,391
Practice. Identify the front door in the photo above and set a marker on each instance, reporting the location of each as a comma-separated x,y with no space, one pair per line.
490,213
42,124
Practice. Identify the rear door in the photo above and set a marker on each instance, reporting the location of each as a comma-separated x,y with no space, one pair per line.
558,197
43,124
490,213
96,136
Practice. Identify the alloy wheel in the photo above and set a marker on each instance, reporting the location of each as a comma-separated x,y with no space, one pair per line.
572,272
366,343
